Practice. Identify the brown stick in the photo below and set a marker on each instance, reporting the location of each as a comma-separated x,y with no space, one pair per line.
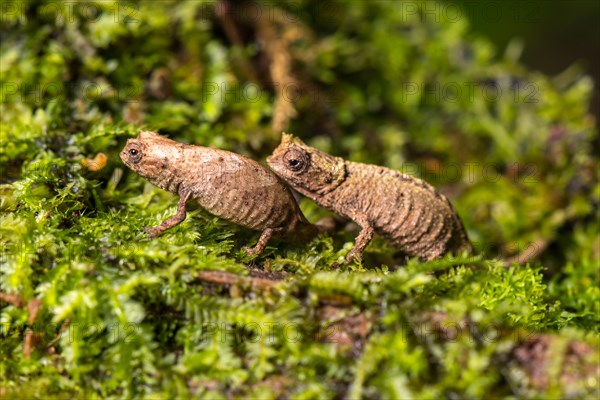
227,278
530,253
11,298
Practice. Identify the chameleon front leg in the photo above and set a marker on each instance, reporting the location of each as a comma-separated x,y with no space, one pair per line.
171,221
361,241
263,240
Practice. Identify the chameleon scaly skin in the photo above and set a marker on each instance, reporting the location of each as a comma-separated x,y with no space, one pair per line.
418,219
226,184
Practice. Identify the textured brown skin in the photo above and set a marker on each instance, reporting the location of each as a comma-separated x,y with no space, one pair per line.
419,220
226,184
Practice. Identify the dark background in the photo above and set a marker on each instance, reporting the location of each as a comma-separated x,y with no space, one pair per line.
555,34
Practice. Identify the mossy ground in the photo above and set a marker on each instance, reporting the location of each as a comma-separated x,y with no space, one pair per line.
91,308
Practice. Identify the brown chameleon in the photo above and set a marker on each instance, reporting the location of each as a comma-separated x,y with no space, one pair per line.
419,220
226,184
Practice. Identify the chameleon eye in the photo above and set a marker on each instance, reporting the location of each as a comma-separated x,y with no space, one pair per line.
295,160
135,155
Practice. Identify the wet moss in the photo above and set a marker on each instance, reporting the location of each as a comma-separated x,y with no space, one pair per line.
90,307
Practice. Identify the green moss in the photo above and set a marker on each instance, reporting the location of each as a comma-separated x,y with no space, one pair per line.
121,316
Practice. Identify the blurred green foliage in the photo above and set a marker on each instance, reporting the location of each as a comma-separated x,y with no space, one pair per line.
376,82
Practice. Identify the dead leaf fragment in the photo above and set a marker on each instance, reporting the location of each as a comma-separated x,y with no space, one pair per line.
96,163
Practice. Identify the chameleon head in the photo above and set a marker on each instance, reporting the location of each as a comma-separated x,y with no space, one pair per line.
150,154
305,168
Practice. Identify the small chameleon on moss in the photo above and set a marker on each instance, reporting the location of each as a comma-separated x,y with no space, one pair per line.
226,184
418,219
